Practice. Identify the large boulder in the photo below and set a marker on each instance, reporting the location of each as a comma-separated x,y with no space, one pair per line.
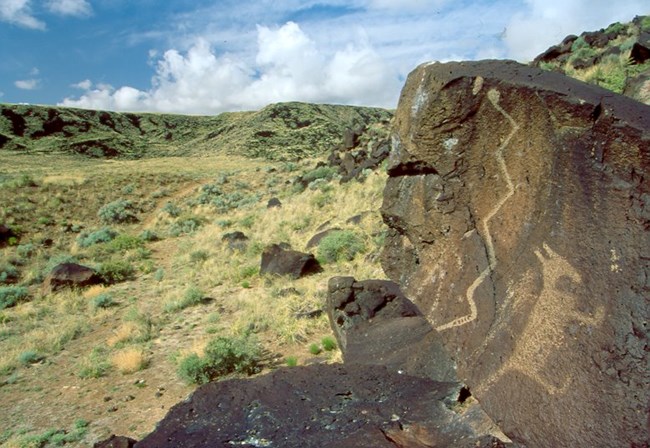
323,406
519,207
375,324
277,260
69,275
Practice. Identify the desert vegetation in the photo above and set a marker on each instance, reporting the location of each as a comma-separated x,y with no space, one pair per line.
177,306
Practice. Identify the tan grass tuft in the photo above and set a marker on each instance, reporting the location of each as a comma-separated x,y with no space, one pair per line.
94,291
126,331
129,360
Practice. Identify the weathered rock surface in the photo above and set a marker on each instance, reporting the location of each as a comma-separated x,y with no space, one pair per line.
375,324
315,240
70,275
321,406
116,442
280,261
519,208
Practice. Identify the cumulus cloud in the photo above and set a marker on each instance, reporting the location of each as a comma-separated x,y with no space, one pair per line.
547,22
27,84
289,66
77,8
19,12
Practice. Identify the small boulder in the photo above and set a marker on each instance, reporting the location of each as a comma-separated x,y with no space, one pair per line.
316,239
274,203
116,442
5,235
70,275
236,241
639,54
279,261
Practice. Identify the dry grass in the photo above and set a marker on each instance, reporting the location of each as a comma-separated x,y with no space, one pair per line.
94,291
129,360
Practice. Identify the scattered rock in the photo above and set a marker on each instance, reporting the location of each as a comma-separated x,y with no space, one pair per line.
236,241
274,203
309,314
491,204
70,275
279,261
5,235
639,53
116,442
315,240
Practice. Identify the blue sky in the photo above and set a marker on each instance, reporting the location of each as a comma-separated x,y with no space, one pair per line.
204,57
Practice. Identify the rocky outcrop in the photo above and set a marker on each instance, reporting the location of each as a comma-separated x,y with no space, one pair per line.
277,260
69,275
321,406
375,324
116,442
519,209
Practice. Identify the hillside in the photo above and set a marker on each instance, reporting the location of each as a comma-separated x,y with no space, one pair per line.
285,131
616,58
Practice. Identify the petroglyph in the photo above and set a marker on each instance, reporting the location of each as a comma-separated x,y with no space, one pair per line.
493,95
545,332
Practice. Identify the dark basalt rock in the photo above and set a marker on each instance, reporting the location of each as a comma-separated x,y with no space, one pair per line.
321,406
279,261
639,53
116,442
69,275
236,241
5,235
274,203
526,244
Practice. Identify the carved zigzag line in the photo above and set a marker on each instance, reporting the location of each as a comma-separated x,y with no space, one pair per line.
493,96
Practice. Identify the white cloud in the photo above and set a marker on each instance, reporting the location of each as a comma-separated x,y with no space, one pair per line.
547,22
19,12
27,84
289,66
77,8
86,84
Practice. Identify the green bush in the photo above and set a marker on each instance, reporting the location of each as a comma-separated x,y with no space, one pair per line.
193,296
291,361
11,295
185,226
8,273
26,250
104,300
339,246
328,343
122,243
30,357
322,172
172,210
223,355
103,235
95,365
314,349
148,235
115,271
119,211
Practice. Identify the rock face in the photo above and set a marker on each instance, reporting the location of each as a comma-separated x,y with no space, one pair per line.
519,208
69,275
375,324
279,261
320,406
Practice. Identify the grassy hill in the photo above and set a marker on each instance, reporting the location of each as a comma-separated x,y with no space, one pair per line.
78,365
284,131
612,58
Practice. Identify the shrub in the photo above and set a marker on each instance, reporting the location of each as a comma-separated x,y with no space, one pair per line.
10,295
8,273
199,256
322,172
104,300
172,210
148,235
30,357
291,361
223,355
328,343
193,296
159,275
103,235
25,250
119,211
339,246
95,365
115,271
185,226
129,360
314,349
